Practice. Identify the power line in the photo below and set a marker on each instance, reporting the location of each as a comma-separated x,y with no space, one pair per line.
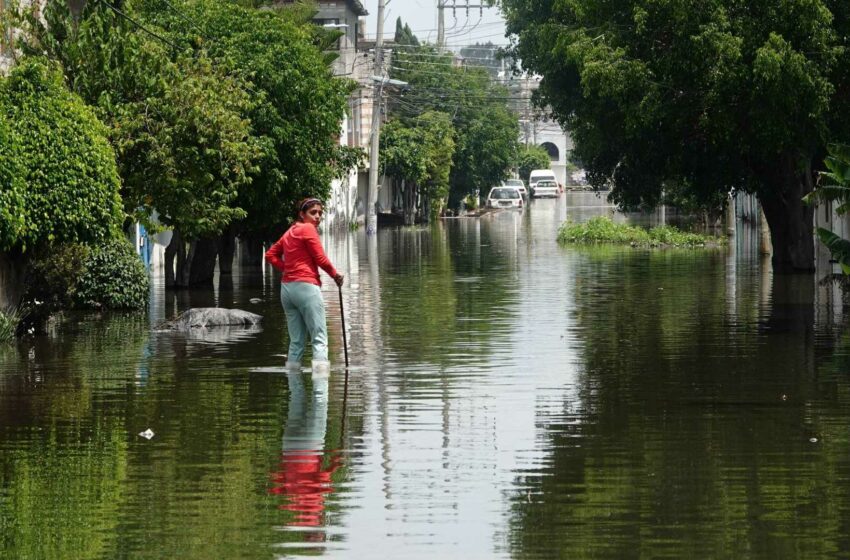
139,25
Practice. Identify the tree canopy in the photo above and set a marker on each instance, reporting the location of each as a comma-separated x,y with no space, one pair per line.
178,123
486,131
298,104
702,96
58,179
530,158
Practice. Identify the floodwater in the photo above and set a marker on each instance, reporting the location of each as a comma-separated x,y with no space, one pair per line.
507,398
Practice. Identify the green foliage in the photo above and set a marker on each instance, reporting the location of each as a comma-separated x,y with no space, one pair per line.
420,150
486,131
298,103
113,277
404,35
602,229
8,326
834,184
53,276
530,158
178,123
58,179
838,247
834,187
707,95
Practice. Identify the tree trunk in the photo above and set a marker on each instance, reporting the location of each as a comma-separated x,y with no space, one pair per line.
409,189
226,251
791,221
183,261
13,270
202,263
170,255
252,251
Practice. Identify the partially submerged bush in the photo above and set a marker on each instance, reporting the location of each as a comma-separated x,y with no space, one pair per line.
603,230
8,325
113,277
110,275
53,275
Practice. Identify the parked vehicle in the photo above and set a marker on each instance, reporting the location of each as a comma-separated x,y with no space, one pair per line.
545,188
504,197
518,184
540,175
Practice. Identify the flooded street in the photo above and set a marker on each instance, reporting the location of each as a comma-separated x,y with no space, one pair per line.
508,398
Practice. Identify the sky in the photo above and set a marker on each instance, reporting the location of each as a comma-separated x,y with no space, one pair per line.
421,16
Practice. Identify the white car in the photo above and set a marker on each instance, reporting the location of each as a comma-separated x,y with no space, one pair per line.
518,185
545,188
504,197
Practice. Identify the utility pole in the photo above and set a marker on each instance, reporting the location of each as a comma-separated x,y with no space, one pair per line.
374,144
441,23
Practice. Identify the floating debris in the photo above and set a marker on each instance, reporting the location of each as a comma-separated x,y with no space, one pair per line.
147,434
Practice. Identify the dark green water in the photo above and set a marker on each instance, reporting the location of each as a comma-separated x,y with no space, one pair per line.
509,398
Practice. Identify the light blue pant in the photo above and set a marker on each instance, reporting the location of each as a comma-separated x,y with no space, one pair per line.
305,314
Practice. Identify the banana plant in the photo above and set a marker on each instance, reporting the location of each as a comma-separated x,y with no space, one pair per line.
834,186
839,247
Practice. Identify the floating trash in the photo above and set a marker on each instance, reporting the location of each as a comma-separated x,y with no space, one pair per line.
147,434
255,300
813,440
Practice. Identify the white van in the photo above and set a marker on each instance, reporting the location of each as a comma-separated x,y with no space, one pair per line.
538,175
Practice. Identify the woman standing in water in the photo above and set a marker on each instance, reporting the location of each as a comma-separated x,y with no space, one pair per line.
298,255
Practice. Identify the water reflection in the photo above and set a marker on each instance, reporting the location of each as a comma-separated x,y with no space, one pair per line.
303,477
509,398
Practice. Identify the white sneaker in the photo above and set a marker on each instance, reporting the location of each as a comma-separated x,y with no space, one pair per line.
321,369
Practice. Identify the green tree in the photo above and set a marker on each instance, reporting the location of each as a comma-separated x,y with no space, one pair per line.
486,130
834,188
530,158
420,154
404,35
59,179
299,104
178,122
698,96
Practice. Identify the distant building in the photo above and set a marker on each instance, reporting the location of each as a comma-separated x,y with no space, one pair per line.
538,128
346,204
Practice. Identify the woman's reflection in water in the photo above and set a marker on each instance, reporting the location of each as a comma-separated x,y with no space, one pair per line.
304,473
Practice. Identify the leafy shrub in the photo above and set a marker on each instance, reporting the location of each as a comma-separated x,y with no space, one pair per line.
603,230
8,324
114,277
58,177
53,275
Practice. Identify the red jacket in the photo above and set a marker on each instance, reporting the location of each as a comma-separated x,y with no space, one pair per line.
298,254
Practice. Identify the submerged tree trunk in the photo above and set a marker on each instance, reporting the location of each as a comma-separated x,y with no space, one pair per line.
409,190
790,219
252,251
183,261
13,270
226,251
170,255
202,263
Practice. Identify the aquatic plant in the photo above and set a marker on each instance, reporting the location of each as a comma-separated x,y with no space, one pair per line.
602,229
8,324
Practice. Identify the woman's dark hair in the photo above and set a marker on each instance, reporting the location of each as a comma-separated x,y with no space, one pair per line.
305,204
